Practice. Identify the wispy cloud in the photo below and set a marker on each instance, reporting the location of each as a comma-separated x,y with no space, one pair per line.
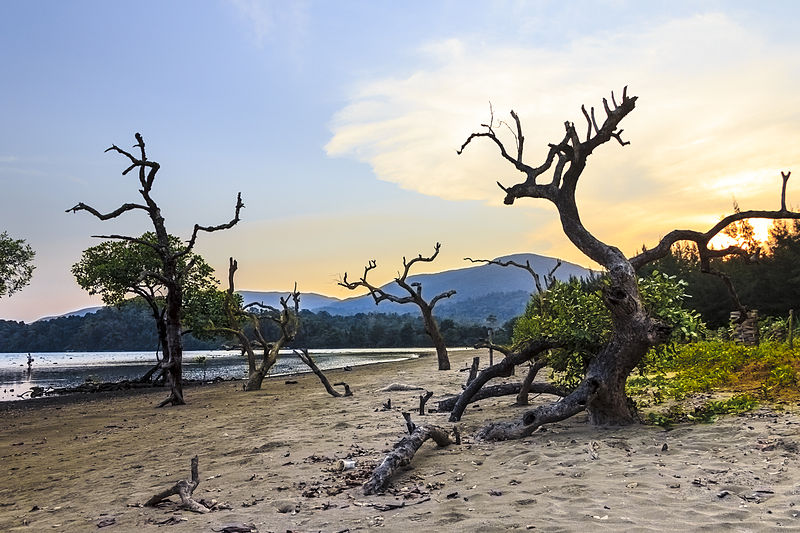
265,18
717,117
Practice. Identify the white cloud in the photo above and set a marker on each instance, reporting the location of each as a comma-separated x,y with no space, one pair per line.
717,117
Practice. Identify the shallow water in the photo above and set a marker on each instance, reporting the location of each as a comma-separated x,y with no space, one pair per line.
68,369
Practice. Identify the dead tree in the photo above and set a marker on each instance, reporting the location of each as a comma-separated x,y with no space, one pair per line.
173,274
309,361
549,278
287,319
634,331
414,291
404,451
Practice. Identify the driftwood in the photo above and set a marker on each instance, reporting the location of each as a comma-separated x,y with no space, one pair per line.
527,383
423,399
403,452
473,370
400,387
184,489
308,360
504,389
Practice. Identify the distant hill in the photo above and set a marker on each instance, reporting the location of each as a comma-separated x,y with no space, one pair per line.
481,290
308,300
80,312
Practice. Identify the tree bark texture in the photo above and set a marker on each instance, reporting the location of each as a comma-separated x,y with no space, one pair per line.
403,453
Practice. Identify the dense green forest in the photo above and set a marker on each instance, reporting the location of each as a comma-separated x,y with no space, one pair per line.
130,327
767,280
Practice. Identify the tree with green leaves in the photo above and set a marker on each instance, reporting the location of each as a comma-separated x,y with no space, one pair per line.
175,264
16,264
116,271
634,330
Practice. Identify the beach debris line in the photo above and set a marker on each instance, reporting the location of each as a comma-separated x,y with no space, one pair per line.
308,360
414,290
185,489
404,451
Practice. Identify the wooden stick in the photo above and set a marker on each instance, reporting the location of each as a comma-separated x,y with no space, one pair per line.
184,489
423,399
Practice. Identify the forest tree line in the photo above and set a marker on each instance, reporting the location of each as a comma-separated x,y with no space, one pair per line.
129,327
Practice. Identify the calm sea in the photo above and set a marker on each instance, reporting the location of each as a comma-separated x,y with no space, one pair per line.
68,369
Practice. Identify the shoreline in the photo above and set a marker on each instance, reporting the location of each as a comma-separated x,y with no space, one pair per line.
271,455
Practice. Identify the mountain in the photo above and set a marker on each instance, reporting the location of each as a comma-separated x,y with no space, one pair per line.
481,290
308,300
80,312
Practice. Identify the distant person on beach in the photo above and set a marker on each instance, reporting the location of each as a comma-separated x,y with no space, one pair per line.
30,363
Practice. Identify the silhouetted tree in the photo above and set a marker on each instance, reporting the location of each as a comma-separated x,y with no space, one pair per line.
414,291
174,270
634,331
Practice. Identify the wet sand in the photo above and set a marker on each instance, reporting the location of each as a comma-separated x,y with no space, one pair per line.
72,464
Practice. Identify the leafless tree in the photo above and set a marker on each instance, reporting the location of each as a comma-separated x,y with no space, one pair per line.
286,318
414,291
634,331
174,273
549,278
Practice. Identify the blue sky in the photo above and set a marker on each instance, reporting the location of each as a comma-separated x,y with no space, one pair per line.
339,121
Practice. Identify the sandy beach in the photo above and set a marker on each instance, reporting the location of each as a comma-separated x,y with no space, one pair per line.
269,458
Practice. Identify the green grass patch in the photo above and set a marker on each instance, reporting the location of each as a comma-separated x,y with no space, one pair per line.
769,372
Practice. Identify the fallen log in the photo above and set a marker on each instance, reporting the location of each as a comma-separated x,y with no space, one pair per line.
309,361
184,489
403,452
504,389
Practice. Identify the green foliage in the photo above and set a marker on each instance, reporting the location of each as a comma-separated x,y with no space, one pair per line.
16,264
116,269
705,413
573,313
768,371
130,327
771,285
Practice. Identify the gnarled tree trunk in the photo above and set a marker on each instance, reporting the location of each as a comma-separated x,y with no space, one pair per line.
634,332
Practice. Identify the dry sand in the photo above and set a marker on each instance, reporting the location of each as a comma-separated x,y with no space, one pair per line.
270,455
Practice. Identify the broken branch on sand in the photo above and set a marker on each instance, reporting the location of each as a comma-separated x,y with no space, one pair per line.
403,452
184,489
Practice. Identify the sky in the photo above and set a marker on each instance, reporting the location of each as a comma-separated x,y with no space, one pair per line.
339,123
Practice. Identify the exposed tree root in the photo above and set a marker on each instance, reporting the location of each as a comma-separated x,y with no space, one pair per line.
503,368
403,453
184,489
535,418
504,389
